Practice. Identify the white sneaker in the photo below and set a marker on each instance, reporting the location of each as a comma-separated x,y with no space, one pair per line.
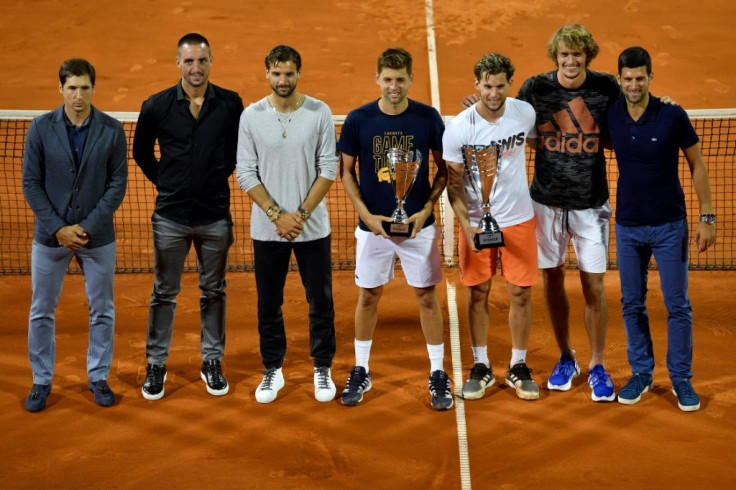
324,388
273,381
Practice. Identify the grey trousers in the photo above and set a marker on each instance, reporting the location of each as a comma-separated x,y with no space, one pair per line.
172,242
48,269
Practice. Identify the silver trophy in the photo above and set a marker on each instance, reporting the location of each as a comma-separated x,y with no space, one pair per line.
403,167
481,164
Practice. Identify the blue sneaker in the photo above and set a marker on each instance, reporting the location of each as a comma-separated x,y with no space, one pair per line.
600,384
687,399
36,400
637,385
104,396
564,372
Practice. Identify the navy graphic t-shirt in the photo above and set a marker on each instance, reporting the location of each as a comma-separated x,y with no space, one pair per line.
367,133
570,167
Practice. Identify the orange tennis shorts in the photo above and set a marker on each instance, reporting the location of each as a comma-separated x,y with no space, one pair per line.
518,257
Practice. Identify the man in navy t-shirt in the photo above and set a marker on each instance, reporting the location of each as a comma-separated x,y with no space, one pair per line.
651,219
394,121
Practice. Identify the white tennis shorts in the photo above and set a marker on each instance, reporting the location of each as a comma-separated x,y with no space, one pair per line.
588,229
420,258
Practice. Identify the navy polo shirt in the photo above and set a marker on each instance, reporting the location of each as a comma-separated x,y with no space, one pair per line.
77,137
647,151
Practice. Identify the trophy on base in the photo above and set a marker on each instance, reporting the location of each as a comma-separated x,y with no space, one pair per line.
481,164
403,167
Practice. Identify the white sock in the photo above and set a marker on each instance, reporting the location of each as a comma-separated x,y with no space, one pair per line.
480,355
363,353
517,356
436,357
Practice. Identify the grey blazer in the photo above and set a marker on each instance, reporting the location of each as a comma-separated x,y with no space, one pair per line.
61,195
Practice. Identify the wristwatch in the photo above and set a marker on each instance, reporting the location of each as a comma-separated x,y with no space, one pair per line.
708,218
273,212
304,213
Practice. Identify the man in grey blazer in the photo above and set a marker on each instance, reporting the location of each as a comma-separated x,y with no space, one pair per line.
75,171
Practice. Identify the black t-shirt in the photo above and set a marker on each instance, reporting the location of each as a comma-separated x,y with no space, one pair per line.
570,167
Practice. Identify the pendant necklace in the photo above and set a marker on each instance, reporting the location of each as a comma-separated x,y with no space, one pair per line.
286,117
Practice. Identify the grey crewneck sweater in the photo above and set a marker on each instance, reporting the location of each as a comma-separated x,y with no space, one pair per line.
287,167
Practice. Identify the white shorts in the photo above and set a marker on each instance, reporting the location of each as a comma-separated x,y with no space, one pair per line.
420,258
588,229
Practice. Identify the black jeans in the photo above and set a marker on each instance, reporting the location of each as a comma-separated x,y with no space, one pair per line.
315,269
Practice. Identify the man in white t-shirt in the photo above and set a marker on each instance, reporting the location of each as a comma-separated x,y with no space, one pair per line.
495,119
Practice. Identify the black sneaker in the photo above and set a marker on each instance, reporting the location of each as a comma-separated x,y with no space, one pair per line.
212,375
358,383
481,377
439,390
519,376
153,388
104,396
36,400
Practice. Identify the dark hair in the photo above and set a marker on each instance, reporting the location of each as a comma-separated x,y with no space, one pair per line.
395,59
634,57
494,64
76,67
283,54
574,36
193,38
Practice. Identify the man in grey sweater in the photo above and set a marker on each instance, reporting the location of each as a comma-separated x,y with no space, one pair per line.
286,162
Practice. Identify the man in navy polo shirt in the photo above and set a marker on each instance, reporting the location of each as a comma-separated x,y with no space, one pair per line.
651,219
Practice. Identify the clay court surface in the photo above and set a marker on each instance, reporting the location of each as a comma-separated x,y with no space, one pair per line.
190,439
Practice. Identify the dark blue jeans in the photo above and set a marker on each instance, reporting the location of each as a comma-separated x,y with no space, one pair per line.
315,269
668,243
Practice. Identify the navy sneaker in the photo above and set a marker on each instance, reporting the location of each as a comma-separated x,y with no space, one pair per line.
637,385
104,396
153,388
687,399
600,384
359,381
564,372
439,390
211,374
36,400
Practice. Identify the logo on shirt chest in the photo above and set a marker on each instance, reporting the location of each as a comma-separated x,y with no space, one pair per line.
571,130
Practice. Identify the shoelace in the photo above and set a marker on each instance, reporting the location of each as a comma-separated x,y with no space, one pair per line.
521,371
103,387
440,383
323,378
214,370
684,389
355,380
479,371
156,374
565,368
268,377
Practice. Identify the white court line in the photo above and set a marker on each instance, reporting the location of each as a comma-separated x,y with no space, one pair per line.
457,374
448,216
448,222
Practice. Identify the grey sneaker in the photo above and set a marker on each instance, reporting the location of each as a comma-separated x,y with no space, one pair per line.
520,377
481,377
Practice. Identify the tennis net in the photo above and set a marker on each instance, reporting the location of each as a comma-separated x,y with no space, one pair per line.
716,128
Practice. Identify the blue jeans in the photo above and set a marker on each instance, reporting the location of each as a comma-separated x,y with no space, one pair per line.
171,244
668,243
48,268
315,269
